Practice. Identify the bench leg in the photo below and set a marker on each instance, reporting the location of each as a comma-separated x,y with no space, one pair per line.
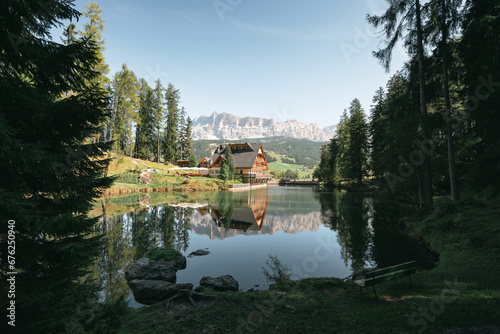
375,290
411,281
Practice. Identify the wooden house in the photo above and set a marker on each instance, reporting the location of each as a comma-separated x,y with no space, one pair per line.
183,163
205,162
249,161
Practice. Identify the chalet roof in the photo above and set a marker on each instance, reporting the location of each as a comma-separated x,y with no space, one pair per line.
243,158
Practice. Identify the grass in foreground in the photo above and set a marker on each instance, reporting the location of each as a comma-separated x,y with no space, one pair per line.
462,291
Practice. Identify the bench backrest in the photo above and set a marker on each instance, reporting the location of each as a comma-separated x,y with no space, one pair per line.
408,266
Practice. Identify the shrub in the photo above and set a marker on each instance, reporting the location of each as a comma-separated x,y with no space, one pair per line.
279,273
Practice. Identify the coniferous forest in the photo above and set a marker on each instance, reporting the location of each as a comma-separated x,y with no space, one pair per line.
433,130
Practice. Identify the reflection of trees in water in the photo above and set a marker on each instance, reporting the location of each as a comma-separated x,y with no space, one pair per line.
369,232
143,231
225,208
352,232
391,244
130,236
348,215
173,227
117,254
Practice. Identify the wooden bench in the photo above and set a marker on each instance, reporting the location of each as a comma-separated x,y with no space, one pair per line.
377,276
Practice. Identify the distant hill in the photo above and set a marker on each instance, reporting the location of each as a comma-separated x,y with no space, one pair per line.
231,128
297,151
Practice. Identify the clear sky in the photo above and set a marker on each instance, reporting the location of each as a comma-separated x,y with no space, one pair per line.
293,59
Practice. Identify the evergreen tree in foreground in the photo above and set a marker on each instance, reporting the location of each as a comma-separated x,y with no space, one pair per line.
49,179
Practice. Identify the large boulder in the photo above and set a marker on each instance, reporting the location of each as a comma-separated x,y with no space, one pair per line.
148,291
164,270
221,283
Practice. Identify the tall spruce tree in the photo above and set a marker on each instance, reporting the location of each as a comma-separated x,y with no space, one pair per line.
181,128
159,116
444,19
189,143
227,169
377,133
343,145
405,16
93,29
145,136
171,136
125,109
481,31
49,178
357,151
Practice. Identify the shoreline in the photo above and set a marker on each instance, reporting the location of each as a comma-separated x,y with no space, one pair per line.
459,293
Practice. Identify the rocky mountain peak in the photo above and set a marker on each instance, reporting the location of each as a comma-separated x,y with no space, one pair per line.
224,126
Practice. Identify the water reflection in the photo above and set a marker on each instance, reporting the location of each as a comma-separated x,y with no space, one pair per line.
284,221
370,232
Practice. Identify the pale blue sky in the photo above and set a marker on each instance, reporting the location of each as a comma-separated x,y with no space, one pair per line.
303,60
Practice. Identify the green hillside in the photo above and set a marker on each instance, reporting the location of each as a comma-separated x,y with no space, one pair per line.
289,152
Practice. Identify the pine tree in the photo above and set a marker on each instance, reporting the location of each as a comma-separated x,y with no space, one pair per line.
158,116
171,136
343,145
189,142
357,154
145,136
125,109
227,169
377,133
93,30
49,177
181,128
481,28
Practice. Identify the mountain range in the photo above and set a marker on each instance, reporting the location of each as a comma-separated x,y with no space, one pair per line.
224,126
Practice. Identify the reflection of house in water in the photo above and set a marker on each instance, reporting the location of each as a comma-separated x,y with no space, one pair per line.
246,214
241,219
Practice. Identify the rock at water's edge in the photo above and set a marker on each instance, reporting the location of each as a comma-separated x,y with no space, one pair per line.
163,270
221,283
148,291
199,252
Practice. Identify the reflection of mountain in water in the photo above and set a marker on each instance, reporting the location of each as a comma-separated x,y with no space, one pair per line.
205,225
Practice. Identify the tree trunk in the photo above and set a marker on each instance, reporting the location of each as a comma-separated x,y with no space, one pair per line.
423,112
158,149
455,196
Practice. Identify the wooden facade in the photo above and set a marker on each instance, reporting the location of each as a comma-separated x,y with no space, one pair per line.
204,162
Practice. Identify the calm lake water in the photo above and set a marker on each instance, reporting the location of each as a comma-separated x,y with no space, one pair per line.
315,234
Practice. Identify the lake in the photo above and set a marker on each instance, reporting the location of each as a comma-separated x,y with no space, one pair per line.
315,234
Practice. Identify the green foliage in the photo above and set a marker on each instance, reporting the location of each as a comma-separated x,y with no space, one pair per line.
50,176
170,141
278,273
168,254
128,177
346,155
145,136
358,141
125,108
227,169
